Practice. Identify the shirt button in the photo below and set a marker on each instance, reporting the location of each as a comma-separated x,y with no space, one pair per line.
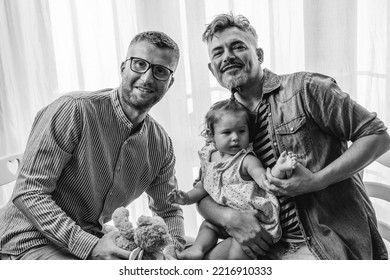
275,144
269,114
291,129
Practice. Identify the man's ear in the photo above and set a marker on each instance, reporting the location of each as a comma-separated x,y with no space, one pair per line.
211,69
123,66
260,54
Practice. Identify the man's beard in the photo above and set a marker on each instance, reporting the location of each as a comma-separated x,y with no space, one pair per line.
138,104
236,82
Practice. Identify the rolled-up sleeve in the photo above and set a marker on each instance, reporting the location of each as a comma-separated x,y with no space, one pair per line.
335,112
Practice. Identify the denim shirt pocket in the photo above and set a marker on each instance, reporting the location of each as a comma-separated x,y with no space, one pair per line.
293,136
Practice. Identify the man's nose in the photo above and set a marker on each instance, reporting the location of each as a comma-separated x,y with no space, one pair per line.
147,76
229,56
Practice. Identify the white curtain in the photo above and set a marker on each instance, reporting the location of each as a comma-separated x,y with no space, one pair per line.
49,47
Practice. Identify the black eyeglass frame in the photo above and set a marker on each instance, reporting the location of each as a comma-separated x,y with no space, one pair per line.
150,65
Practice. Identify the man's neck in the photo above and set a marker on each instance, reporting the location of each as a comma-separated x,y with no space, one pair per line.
251,96
135,116
252,92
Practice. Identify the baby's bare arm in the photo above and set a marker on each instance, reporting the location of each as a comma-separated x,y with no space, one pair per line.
185,198
251,166
197,193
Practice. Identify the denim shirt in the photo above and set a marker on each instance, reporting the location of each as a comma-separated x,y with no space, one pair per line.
309,115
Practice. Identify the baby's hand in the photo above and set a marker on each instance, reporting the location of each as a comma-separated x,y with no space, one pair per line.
177,197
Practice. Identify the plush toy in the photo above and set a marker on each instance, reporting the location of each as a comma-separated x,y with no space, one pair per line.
121,221
149,241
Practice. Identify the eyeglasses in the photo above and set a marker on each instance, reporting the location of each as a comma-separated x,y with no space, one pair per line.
141,66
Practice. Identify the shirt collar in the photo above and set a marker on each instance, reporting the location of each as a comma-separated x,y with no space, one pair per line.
271,81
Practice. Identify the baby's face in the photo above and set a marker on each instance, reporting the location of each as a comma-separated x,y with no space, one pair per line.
231,133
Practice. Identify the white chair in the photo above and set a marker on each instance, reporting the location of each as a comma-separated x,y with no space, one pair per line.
381,191
9,167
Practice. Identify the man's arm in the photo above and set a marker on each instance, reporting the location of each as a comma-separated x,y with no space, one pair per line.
338,115
54,135
360,154
241,225
158,192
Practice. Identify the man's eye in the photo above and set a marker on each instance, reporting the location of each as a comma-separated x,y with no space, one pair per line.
140,64
239,47
160,70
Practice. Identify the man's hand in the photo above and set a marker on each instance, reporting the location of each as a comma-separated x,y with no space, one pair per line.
301,181
245,228
106,249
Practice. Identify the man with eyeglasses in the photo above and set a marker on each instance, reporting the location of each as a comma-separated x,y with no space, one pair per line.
89,153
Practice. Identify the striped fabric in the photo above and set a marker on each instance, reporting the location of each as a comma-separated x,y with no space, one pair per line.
81,163
262,146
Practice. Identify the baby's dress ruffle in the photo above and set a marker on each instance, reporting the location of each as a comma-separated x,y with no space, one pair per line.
206,152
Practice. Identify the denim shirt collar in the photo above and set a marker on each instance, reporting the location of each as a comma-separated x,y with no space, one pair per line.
271,81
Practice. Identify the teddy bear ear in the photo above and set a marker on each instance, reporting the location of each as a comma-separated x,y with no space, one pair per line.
147,220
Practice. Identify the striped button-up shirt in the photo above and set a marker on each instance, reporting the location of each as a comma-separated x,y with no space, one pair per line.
82,161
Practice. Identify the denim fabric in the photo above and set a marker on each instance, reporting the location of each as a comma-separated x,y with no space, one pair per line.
290,251
310,115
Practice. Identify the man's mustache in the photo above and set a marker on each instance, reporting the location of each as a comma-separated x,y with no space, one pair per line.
231,62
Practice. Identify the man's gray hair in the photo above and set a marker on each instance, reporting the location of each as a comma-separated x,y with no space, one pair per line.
224,21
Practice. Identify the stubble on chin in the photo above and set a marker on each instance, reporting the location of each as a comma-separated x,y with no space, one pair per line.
137,103
237,81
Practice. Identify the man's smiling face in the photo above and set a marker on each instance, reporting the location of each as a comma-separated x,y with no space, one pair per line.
143,91
233,58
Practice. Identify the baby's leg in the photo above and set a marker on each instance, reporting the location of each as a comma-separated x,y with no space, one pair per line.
206,239
284,165
236,252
